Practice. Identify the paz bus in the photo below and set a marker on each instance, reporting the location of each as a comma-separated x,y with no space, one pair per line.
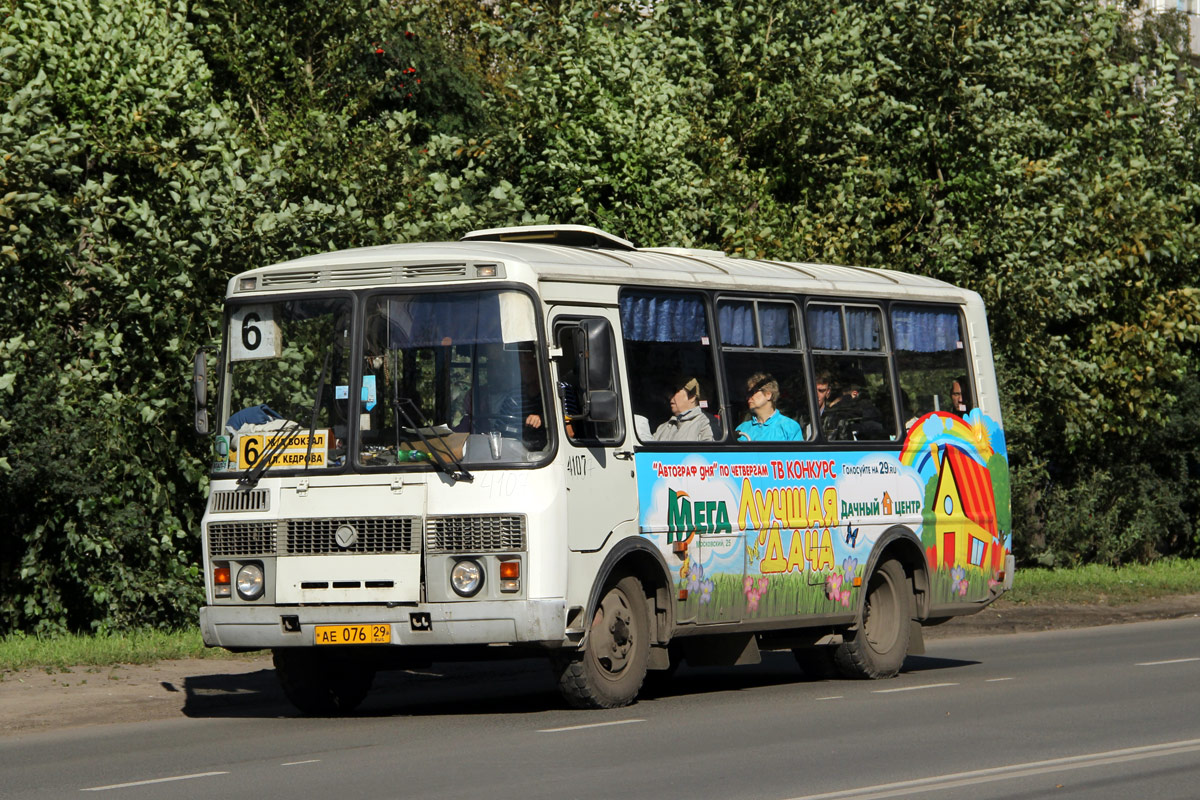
548,440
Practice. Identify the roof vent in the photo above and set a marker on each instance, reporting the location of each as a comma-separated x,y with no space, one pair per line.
563,235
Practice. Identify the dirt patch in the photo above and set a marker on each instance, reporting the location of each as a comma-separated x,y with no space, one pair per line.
1005,617
36,700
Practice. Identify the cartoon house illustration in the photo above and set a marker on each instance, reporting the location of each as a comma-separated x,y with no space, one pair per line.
965,513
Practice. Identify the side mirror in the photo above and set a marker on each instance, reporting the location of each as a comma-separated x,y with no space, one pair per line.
596,353
603,406
200,391
592,339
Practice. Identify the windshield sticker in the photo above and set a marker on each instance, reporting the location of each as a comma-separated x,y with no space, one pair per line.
250,448
369,395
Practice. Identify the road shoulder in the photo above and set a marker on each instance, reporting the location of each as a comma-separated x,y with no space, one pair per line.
38,701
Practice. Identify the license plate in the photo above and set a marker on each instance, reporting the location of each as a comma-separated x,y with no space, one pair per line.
354,634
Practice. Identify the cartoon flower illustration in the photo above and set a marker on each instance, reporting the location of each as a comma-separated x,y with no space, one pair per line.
958,581
843,597
849,567
833,586
748,584
706,589
752,601
764,583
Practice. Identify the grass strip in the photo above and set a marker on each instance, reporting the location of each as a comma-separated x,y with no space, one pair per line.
1099,585
59,653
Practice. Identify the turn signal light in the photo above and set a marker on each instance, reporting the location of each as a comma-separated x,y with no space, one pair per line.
510,576
221,581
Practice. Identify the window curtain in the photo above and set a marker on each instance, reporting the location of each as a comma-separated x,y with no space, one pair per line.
864,329
922,330
735,318
775,321
663,317
825,327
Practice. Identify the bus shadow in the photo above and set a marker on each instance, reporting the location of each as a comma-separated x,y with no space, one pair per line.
507,687
929,663
442,690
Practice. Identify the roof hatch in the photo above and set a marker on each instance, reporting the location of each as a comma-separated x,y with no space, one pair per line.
564,235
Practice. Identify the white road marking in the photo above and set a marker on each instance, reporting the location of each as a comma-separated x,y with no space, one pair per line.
156,780
912,688
592,725
958,780
1172,661
832,697
997,680
298,763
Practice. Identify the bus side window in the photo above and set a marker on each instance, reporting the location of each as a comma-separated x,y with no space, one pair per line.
850,360
760,337
667,341
931,359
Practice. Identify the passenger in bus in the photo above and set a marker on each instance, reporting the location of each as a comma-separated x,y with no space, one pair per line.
766,424
688,422
824,385
851,415
960,396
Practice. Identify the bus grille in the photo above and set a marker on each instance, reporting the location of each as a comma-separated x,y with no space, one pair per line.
475,534
240,500
372,535
241,539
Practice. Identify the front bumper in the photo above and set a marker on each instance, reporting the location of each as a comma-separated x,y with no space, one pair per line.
505,622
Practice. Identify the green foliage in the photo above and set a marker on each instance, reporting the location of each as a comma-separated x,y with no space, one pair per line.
1039,153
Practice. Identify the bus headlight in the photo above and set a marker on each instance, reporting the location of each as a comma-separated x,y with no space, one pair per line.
466,577
250,582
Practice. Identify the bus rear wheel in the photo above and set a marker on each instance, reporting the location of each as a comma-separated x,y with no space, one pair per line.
321,684
609,671
877,646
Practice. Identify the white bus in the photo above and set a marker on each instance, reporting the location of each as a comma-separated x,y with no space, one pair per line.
547,440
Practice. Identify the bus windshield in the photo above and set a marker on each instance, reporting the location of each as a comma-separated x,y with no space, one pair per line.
287,375
456,373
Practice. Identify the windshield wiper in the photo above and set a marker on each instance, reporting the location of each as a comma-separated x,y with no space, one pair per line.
458,472
250,477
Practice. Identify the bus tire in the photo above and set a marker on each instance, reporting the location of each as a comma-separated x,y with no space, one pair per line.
876,647
609,670
320,684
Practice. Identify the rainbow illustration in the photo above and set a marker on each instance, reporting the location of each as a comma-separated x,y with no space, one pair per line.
975,434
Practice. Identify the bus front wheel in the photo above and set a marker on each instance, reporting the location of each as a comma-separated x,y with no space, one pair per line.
321,684
877,646
609,671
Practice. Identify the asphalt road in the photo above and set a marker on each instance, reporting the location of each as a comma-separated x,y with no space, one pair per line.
1106,712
